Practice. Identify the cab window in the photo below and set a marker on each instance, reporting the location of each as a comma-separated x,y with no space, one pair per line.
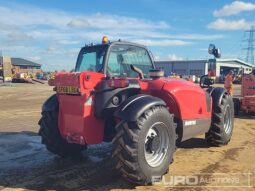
122,56
91,59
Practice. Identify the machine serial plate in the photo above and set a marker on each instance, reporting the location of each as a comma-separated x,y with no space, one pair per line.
67,90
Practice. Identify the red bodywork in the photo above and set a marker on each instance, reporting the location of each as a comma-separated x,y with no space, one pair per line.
248,93
78,124
185,99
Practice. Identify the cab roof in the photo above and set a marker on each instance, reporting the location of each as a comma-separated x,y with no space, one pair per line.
119,42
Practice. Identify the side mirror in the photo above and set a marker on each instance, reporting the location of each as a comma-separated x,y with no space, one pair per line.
217,53
211,48
214,51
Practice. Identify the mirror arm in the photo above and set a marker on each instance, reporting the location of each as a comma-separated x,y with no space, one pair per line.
137,70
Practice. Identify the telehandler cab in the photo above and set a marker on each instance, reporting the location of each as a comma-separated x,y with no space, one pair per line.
116,95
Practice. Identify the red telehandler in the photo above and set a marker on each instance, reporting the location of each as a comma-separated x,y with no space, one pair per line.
246,102
116,95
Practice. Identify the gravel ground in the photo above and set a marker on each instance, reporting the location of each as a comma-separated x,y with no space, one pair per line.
25,164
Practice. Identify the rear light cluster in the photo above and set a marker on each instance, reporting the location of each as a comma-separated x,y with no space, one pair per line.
118,83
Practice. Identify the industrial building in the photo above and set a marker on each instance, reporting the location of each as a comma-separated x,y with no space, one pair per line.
11,66
21,65
200,67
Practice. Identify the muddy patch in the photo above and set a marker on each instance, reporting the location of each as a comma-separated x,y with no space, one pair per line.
25,163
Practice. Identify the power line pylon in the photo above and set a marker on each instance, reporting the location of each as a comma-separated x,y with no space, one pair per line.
250,48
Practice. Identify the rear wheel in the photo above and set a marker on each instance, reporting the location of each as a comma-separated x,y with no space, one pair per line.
222,122
51,136
144,149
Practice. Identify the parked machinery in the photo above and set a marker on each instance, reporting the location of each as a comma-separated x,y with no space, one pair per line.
246,102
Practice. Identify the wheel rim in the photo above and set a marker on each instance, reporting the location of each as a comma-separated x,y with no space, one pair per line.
156,144
227,120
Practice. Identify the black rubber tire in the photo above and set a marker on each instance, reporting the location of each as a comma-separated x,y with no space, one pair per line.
128,146
217,135
52,139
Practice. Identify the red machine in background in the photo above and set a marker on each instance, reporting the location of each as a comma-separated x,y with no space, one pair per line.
246,102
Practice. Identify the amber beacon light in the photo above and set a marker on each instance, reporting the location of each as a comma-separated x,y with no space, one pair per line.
104,40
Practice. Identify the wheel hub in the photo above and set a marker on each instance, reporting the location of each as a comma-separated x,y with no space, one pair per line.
227,120
152,144
156,144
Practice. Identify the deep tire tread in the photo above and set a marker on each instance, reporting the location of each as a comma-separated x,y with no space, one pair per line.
216,136
125,150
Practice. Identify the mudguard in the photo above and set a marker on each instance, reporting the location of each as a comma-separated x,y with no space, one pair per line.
217,94
51,104
136,105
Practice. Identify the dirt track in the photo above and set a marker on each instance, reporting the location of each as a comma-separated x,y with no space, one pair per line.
25,163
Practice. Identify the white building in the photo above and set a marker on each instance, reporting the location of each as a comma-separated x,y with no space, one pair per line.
200,67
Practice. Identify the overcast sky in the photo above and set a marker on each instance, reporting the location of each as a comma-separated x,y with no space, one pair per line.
51,32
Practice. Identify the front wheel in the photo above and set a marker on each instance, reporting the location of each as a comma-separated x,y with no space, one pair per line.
222,122
144,149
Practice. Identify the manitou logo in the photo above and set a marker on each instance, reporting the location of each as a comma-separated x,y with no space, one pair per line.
189,123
